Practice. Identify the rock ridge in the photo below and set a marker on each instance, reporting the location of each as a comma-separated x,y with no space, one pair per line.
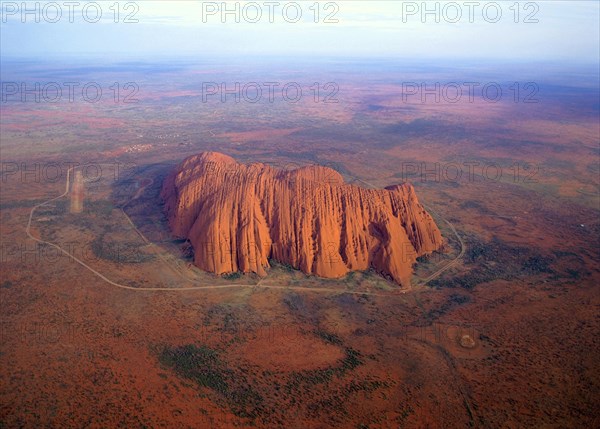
237,217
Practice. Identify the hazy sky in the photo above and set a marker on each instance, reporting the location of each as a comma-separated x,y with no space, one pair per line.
564,31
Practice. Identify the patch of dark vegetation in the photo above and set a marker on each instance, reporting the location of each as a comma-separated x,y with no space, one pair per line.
354,303
560,164
286,267
204,366
231,319
295,302
423,259
331,407
102,208
328,338
6,284
198,363
119,252
574,274
404,175
305,157
422,128
5,205
570,265
232,276
593,167
459,299
303,380
516,144
129,178
432,257
454,301
187,250
475,205
497,260
303,308
537,264
329,135
316,409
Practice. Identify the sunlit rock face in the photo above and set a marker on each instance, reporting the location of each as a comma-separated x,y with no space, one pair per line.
239,216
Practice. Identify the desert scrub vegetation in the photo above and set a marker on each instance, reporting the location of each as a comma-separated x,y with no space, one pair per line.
123,252
102,208
205,367
496,260
198,363
232,276
303,380
281,265
328,338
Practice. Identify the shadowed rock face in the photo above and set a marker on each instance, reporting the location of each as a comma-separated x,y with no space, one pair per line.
239,216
